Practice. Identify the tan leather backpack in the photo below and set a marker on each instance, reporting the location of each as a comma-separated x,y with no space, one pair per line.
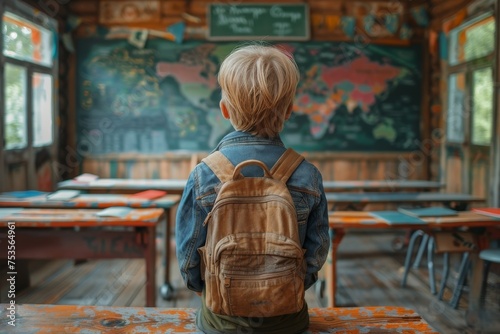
252,262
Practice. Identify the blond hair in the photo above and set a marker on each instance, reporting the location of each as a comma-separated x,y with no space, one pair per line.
258,84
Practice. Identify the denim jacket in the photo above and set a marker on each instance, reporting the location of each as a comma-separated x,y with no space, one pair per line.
306,188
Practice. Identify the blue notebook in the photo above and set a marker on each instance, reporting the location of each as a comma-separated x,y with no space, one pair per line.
433,211
24,193
394,217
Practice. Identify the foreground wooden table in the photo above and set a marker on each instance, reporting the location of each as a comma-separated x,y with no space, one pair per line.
81,234
340,221
93,201
101,319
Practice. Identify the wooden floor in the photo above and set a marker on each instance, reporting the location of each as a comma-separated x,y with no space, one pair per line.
369,274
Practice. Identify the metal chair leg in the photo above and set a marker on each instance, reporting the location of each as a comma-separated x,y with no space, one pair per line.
409,254
420,252
457,293
430,265
484,284
446,271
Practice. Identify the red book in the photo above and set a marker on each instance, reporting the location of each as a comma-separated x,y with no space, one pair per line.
149,194
492,212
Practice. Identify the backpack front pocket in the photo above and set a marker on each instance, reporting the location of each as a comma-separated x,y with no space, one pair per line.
264,280
263,295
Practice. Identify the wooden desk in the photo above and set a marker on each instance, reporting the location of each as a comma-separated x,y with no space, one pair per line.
359,200
341,220
177,186
51,234
382,185
94,201
124,186
102,319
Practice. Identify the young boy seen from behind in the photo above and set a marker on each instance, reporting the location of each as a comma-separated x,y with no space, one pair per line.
258,86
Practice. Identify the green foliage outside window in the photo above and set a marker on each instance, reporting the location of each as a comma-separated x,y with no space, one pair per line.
15,106
482,106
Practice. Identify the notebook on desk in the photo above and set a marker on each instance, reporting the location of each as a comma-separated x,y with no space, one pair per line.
433,211
395,217
492,212
23,194
149,194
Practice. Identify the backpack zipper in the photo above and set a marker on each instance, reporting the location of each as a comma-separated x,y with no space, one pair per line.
247,199
227,280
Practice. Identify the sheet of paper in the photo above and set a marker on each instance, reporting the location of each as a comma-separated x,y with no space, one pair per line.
63,195
115,211
86,178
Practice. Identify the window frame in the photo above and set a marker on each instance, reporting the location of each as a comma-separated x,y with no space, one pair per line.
468,68
17,154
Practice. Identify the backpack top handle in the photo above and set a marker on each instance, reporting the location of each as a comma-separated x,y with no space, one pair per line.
237,170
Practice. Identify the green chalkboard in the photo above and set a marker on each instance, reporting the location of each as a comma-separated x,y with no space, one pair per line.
286,22
165,97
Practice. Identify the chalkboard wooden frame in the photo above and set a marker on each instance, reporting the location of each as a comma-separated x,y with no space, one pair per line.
292,29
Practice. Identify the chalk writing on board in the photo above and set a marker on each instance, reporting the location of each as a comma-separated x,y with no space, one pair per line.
250,21
166,97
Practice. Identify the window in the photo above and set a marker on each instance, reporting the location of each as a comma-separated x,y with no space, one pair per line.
15,106
27,41
42,109
29,61
456,107
470,82
482,106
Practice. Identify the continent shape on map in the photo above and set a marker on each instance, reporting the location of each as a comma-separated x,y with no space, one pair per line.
197,81
356,84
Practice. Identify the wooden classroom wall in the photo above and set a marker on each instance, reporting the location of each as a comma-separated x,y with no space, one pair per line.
350,157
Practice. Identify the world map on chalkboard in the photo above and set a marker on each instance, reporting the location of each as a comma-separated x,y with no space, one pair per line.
165,97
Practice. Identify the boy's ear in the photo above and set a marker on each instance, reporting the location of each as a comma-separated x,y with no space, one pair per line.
223,110
289,112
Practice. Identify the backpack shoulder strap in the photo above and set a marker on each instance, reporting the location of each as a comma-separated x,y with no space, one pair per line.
220,165
286,165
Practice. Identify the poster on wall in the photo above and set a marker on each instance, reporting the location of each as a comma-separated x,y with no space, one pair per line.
378,19
126,12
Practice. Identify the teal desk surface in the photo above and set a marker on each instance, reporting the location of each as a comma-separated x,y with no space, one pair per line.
176,186
88,201
400,197
379,185
172,186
